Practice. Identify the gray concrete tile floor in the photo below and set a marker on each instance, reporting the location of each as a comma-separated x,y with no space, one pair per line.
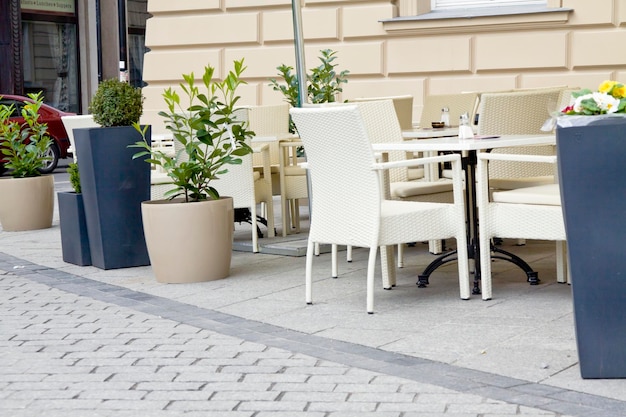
517,350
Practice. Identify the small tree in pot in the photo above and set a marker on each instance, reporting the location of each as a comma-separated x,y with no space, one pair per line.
74,236
28,198
113,184
210,137
116,103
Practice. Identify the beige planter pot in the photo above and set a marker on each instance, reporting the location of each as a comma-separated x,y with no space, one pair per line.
189,242
26,203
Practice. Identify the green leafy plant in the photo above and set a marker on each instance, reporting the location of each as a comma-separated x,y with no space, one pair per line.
323,82
72,169
207,128
25,146
116,103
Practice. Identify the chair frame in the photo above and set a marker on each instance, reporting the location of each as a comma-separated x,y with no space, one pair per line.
515,220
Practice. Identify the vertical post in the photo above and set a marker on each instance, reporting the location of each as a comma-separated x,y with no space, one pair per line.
122,30
298,41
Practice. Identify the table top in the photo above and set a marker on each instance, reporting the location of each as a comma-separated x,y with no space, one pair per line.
428,132
456,144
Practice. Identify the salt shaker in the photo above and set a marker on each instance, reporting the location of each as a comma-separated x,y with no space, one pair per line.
445,117
465,130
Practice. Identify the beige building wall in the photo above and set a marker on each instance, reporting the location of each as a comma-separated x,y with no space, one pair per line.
575,42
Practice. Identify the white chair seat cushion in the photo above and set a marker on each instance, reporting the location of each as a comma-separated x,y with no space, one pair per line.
406,189
512,183
415,173
547,195
159,178
293,170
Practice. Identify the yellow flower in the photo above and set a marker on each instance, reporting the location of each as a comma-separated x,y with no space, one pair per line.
606,86
619,91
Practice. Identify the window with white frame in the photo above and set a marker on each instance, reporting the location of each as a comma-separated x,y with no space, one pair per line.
459,4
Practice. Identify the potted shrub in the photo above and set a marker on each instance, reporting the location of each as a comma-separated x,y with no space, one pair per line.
74,237
323,82
27,197
591,152
113,184
190,234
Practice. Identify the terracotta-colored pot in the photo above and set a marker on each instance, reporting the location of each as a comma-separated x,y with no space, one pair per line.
26,203
189,242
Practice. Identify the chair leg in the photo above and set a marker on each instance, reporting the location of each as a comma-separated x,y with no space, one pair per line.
485,265
333,260
561,262
269,210
349,253
371,264
435,247
463,266
401,255
317,249
387,266
308,273
255,237
285,212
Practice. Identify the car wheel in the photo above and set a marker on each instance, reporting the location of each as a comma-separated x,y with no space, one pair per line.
50,165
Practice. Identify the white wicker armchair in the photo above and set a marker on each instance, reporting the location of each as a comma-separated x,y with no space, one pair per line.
529,213
348,205
518,113
270,124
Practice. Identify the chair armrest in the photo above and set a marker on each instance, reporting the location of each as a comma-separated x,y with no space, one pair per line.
418,161
454,159
549,159
264,150
482,170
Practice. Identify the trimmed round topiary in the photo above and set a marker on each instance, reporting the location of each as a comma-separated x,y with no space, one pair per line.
116,103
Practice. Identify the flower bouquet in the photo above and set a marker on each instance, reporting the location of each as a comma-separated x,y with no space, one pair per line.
610,98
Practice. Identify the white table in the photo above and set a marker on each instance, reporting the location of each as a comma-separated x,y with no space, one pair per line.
468,148
429,132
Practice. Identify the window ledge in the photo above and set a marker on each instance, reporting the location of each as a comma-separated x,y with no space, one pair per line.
479,19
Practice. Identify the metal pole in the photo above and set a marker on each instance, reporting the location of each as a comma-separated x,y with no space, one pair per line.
298,41
122,30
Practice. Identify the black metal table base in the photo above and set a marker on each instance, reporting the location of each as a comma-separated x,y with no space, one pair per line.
497,253
471,214
243,215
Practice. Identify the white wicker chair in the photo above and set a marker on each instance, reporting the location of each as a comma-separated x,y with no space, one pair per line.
348,205
270,124
518,113
403,106
247,187
457,104
382,128
529,213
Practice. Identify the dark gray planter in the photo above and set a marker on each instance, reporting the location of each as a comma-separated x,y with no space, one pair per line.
113,187
74,239
592,174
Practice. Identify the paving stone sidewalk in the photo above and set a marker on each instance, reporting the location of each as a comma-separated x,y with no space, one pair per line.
71,346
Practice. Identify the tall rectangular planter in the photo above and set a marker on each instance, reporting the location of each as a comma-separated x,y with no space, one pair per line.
592,173
74,238
113,187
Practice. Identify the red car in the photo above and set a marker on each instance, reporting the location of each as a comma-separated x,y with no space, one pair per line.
56,130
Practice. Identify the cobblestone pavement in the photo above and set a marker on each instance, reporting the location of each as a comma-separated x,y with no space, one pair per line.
71,346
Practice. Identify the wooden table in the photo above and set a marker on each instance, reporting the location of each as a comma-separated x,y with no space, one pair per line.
468,148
